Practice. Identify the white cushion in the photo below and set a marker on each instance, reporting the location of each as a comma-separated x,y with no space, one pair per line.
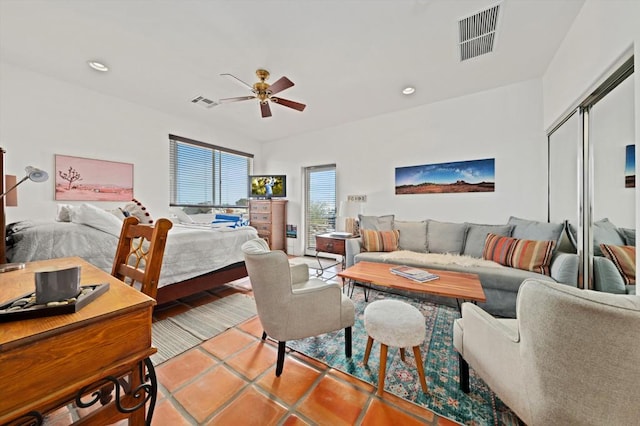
394,323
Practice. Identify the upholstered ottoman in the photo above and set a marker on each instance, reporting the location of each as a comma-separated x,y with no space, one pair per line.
398,324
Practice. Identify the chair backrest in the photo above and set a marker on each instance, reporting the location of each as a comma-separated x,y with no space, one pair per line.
270,277
580,354
139,254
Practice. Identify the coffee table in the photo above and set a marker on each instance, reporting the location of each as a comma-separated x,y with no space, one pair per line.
458,285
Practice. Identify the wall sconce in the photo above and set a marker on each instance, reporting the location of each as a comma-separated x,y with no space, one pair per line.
347,220
33,174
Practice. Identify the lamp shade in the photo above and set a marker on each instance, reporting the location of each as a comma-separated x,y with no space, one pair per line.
36,175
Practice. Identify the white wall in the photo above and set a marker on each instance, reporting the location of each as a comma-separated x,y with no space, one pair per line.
504,123
41,117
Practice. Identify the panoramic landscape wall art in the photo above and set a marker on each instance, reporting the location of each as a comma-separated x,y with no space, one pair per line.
459,176
86,179
630,167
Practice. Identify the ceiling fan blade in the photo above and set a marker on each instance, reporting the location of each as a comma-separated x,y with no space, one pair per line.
291,104
238,99
236,79
265,109
280,85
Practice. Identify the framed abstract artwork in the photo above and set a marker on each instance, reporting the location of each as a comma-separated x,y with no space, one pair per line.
458,176
87,179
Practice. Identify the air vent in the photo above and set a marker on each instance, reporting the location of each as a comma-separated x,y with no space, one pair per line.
205,102
477,33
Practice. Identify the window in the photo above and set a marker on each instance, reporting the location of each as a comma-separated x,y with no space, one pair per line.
204,175
320,202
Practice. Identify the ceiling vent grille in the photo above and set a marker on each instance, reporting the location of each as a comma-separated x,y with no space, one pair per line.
205,102
477,33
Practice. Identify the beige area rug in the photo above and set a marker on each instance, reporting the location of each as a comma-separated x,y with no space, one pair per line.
175,335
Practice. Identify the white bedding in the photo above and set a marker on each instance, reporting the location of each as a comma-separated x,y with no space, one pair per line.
190,251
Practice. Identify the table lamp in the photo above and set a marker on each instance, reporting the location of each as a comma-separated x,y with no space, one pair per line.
347,219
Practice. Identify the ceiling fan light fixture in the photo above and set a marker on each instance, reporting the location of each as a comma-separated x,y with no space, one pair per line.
98,66
409,90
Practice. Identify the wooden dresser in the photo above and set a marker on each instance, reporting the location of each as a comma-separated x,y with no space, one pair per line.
269,217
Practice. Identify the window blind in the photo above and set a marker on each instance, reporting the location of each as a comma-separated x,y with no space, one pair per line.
204,175
320,194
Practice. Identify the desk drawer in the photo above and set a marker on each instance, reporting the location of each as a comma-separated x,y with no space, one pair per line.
330,245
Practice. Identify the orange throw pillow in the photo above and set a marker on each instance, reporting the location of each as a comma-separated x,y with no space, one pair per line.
379,240
624,257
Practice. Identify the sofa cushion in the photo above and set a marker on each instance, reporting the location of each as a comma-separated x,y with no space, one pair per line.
624,257
629,236
605,232
477,236
445,237
379,240
526,229
413,235
528,255
377,223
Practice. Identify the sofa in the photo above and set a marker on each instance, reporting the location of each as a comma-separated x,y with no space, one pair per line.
614,260
461,247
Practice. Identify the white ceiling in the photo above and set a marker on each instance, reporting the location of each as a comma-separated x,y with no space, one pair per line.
349,59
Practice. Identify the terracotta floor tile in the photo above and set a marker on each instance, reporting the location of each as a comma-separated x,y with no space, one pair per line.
367,387
333,402
293,383
229,290
409,406
381,414
209,392
227,343
251,408
199,299
166,414
61,417
307,359
252,326
254,360
177,371
442,421
169,310
294,420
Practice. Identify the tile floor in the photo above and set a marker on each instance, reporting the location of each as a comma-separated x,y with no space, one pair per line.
230,380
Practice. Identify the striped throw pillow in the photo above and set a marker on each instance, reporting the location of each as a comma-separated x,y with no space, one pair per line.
379,240
624,257
532,255
498,248
528,255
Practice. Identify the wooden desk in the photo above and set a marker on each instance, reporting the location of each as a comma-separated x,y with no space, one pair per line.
46,362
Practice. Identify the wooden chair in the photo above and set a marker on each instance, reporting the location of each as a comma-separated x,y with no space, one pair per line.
139,254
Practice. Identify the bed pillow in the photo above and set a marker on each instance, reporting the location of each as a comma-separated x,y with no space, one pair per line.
95,217
528,255
379,240
64,213
377,223
624,257
413,235
135,208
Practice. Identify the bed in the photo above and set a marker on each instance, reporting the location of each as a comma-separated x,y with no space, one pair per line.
195,258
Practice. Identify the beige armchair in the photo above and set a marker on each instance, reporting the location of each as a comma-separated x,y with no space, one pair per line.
291,305
572,357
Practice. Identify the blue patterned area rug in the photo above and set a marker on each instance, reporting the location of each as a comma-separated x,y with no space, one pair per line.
479,407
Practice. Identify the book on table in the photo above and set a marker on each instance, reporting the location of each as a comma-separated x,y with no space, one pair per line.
415,274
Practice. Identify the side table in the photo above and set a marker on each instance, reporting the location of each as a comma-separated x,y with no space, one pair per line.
331,243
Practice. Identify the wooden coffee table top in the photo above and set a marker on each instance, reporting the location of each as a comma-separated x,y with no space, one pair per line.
458,285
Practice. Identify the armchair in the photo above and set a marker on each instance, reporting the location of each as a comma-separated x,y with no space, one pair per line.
569,357
290,305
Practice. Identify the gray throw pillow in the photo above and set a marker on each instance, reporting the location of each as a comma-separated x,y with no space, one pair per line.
526,229
605,232
445,237
413,235
629,236
377,223
477,235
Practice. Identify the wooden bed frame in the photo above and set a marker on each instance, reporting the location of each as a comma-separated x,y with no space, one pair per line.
167,293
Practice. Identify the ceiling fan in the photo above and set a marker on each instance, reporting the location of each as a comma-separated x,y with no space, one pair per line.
264,92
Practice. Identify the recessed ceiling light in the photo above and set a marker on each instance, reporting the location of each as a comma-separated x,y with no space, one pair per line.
408,90
98,66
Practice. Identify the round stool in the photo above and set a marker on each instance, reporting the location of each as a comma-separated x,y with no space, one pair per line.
398,324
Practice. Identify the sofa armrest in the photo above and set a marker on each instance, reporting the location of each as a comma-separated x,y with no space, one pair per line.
564,268
352,247
606,276
299,273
